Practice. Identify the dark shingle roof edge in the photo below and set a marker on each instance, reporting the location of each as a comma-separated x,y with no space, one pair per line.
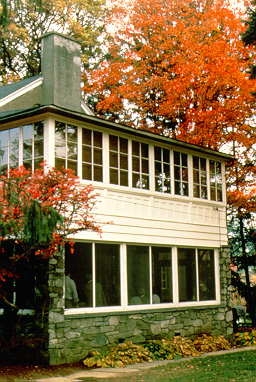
6,90
35,111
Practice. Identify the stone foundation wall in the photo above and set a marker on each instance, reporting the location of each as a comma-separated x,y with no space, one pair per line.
72,336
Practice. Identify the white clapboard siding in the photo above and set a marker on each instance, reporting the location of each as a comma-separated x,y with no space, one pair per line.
160,220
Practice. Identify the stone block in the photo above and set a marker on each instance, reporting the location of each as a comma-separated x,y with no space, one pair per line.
113,321
131,324
100,340
198,322
229,316
70,335
155,329
220,317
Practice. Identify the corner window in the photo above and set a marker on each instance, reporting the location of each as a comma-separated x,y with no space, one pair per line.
92,163
162,170
140,165
25,143
33,145
215,181
66,146
180,173
118,160
196,272
199,177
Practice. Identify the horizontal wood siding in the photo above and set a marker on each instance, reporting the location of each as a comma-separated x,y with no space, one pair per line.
151,219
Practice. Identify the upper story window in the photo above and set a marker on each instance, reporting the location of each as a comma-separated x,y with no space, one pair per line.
22,145
162,170
92,162
140,165
66,146
118,160
180,173
215,181
129,163
199,177
33,145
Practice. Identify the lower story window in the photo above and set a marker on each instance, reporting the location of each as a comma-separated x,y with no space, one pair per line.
196,274
149,274
95,270
113,275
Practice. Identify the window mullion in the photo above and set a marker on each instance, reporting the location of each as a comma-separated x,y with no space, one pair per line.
93,276
175,286
197,275
150,275
123,275
20,158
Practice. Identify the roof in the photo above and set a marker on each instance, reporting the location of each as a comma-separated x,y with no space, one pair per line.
6,117
9,89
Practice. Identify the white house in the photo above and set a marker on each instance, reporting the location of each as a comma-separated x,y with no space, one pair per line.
162,267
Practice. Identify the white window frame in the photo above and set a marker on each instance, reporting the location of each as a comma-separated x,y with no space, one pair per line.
175,285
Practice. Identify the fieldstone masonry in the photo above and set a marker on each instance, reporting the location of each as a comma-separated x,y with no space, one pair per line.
72,336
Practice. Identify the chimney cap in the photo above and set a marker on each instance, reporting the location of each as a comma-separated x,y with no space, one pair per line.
59,34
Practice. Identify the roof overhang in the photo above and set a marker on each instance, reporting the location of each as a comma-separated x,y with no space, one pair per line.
85,118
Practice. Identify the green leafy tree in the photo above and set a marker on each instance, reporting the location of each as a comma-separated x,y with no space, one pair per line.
23,22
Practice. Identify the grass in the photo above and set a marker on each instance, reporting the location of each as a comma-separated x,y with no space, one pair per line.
234,367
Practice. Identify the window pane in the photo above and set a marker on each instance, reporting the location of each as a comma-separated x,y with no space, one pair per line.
27,149
87,136
123,178
39,149
72,166
157,153
72,151
79,265
135,164
107,275
135,148
3,155
187,274
124,162
162,275
86,154
145,166
113,143
113,159
206,275
97,156
87,171
39,130
176,158
59,130
166,156
97,139
72,133
124,145
98,173
144,150
138,274
113,176
28,132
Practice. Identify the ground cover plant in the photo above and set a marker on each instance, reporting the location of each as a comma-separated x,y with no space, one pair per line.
162,349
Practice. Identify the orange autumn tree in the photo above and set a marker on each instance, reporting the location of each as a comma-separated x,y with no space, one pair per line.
180,68
176,67
39,213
